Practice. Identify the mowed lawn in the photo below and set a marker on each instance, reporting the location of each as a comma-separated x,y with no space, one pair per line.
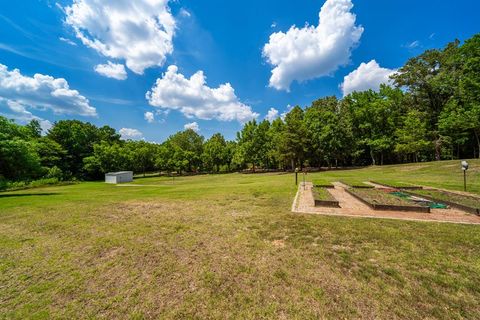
227,246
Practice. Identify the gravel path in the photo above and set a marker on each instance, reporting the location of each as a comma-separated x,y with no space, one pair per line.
351,207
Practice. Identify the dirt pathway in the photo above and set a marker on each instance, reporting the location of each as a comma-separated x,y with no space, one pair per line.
351,207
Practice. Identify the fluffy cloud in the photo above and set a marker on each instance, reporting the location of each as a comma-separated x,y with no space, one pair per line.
306,53
42,92
287,110
140,31
20,113
194,126
272,114
128,133
112,70
149,116
195,99
366,76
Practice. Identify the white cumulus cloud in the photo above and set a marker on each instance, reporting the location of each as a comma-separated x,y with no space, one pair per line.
310,52
42,92
272,114
193,125
21,114
112,70
195,99
140,31
149,116
287,111
129,133
366,76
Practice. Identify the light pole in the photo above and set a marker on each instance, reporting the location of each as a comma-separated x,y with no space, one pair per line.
296,176
464,168
304,174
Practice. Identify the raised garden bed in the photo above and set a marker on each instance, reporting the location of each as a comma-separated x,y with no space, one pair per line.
466,203
325,186
380,200
356,184
397,185
323,198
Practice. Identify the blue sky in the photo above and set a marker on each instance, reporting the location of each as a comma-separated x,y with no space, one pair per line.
226,41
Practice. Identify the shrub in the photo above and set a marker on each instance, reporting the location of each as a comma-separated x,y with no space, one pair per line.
54,172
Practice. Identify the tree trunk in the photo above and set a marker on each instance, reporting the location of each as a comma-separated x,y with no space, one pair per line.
381,158
373,157
477,136
253,167
438,146
293,165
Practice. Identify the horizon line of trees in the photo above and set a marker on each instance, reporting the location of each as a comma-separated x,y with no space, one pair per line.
431,111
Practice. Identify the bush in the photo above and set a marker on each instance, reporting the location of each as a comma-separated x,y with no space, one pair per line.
43,182
19,185
15,185
54,172
3,183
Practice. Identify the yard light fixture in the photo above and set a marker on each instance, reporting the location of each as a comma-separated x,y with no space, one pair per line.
464,168
296,176
304,175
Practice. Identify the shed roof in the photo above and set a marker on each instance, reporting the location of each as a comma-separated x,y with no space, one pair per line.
119,173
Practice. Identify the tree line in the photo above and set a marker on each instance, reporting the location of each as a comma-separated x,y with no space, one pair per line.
429,111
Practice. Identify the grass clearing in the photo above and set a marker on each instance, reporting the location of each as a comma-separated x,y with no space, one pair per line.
395,184
227,246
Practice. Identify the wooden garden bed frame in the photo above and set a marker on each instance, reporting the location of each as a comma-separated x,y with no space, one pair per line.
325,203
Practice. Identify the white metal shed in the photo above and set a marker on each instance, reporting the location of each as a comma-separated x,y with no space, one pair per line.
119,177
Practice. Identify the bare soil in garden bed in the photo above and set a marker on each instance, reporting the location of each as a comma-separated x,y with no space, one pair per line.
378,196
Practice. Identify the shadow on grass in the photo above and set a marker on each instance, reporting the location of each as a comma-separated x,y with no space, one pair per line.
27,195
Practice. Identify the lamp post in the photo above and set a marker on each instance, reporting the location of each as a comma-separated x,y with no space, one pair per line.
464,168
296,176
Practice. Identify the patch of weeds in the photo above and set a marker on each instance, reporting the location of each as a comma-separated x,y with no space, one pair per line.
281,274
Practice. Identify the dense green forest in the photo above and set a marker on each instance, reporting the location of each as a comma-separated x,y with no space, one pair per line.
430,111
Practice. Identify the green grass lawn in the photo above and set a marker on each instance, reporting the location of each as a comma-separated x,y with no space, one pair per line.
395,183
227,246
